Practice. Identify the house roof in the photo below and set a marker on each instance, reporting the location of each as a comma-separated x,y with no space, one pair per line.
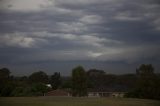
57,92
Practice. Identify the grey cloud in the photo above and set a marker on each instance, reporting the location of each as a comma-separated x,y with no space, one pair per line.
25,6
19,40
80,30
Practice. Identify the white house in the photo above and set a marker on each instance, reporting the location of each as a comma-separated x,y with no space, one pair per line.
105,94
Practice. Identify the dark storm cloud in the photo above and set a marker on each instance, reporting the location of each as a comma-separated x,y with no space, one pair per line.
79,30
122,17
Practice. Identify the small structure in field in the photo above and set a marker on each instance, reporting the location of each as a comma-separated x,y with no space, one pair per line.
58,92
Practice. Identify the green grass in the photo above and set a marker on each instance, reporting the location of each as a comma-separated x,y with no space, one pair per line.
70,101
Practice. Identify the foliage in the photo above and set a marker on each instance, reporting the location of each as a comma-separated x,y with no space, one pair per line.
66,82
79,82
4,77
4,73
38,77
36,89
22,86
21,91
147,85
99,80
39,89
95,78
55,80
5,87
145,70
144,84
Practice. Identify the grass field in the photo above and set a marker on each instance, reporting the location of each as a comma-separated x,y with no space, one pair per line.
70,101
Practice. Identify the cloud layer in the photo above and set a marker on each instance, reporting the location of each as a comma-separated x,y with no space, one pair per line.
79,30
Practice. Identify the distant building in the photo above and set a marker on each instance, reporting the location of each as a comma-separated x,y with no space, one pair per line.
106,94
91,93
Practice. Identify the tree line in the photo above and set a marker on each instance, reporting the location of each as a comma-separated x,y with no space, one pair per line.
144,83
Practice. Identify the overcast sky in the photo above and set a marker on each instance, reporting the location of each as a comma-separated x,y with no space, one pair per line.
57,35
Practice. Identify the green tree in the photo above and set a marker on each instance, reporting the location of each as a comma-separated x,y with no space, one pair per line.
4,80
145,70
79,82
66,82
39,89
55,80
38,77
147,85
4,73
96,78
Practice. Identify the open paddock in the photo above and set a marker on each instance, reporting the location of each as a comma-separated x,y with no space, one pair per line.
75,101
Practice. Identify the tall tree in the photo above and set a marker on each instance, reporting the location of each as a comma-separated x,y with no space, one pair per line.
4,73
4,78
145,70
79,81
147,83
40,77
55,80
